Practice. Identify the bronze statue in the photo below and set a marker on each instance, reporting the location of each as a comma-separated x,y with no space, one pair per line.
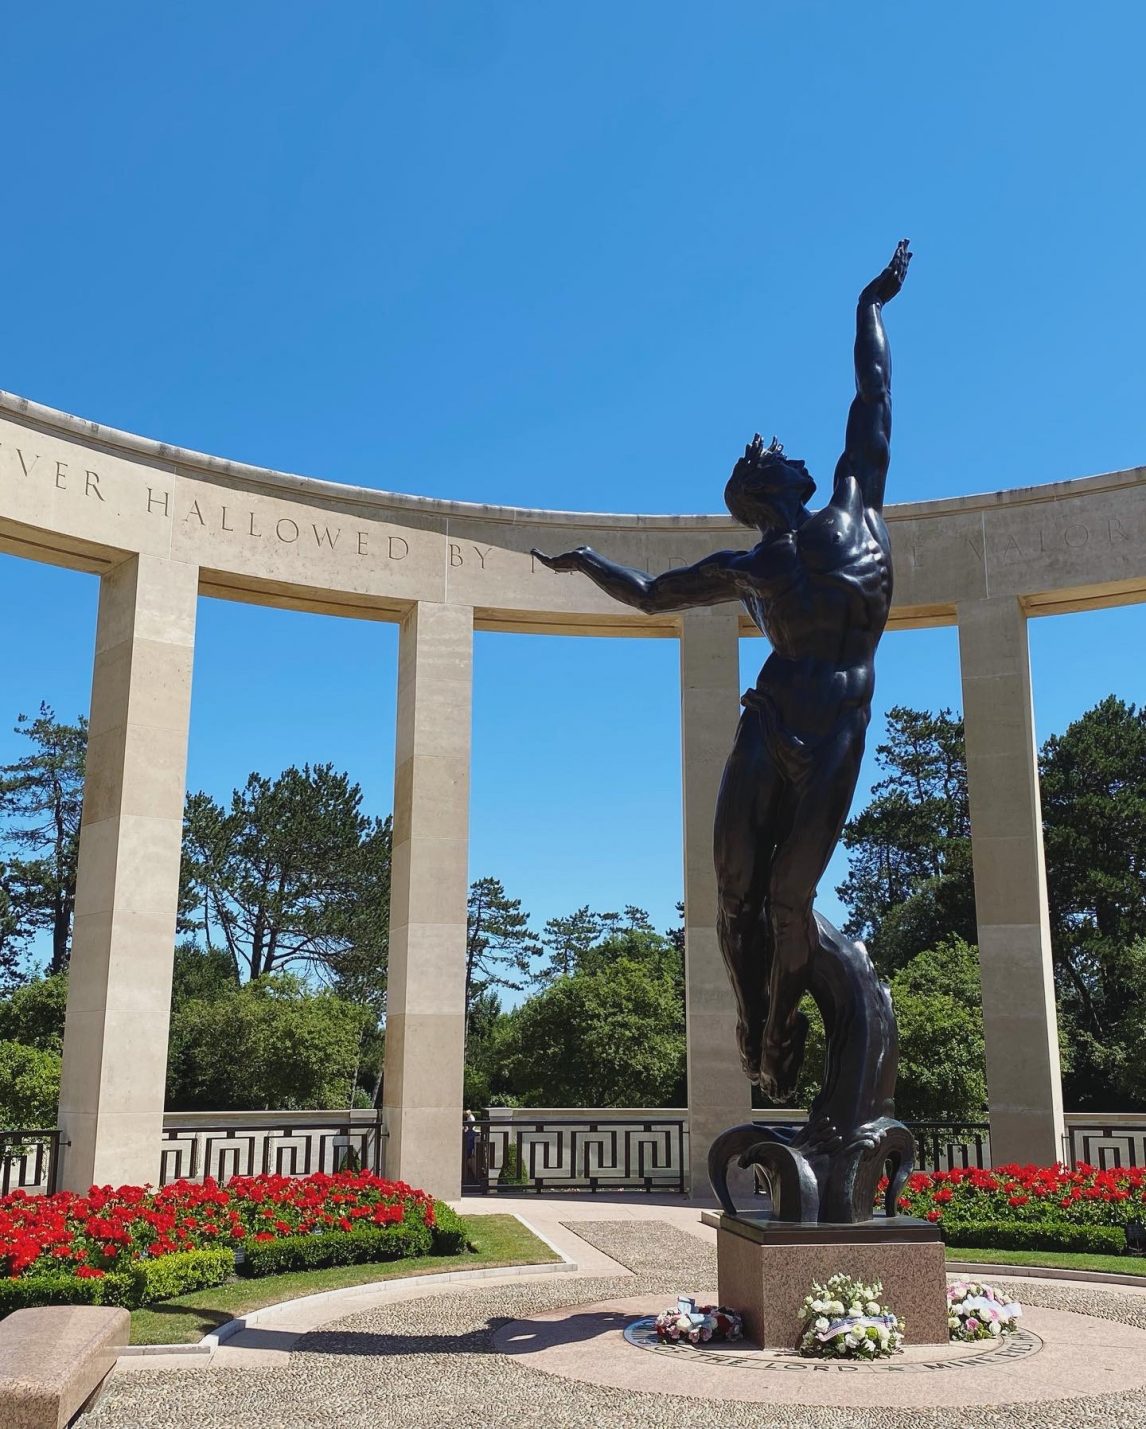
818,585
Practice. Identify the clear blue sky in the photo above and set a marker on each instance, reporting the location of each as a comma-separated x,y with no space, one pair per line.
569,257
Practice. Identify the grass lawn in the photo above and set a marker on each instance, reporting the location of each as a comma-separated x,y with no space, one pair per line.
1058,1259
499,1240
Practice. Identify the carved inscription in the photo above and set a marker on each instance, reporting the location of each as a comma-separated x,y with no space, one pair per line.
1048,534
1041,541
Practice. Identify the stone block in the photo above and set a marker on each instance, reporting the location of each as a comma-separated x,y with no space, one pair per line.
53,1359
765,1269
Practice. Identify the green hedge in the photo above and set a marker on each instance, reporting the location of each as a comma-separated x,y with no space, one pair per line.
138,1284
177,1274
1035,1235
451,1234
312,1252
32,1290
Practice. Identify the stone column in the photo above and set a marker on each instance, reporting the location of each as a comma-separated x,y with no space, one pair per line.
425,1000
719,1095
1019,1023
119,986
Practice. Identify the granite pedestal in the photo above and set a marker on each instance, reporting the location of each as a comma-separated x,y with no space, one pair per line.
765,1269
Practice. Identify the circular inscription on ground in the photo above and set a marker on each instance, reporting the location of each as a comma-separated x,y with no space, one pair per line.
1057,1355
915,1359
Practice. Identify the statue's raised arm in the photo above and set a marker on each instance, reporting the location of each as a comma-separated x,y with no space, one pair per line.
715,579
867,445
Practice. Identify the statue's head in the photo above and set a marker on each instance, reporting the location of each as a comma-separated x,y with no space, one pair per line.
766,487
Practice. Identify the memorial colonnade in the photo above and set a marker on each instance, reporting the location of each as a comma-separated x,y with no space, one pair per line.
160,526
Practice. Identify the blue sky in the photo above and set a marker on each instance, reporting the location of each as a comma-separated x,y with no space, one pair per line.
568,257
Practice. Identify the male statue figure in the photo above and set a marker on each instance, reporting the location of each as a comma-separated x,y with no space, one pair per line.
818,585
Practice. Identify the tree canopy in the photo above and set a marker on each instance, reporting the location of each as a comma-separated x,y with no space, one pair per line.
41,799
291,875
909,879
910,887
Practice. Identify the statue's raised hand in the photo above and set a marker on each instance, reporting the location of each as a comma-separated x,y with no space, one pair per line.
570,561
883,288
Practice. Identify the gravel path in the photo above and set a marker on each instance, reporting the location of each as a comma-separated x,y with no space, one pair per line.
429,1364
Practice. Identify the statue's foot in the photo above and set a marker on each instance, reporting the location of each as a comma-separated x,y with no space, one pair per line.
748,1042
781,1060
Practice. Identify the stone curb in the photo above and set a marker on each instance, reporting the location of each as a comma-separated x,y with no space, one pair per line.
211,1342
1045,1272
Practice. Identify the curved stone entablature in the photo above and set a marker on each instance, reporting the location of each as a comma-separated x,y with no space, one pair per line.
78,494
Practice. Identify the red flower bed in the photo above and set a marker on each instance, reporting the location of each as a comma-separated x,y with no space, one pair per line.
109,1228
1085,1196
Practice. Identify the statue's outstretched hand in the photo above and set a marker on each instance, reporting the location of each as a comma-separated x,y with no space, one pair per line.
570,561
884,287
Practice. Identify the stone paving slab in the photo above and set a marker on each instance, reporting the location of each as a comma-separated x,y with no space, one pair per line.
1059,1355
430,1361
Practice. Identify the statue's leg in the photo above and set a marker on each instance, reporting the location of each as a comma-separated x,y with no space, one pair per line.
743,847
823,798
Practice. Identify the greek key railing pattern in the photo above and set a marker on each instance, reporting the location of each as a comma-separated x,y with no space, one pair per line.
1106,1147
945,1145
286,1149
590,1154
940,1145
29,1161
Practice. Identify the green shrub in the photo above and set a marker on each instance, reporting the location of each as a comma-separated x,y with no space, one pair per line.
1035,1235
451,1235
512,1171
169,1275
137,1284
311,1252
31,1290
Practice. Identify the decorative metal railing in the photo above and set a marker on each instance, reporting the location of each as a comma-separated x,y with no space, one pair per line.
939,1145
1107,1146
574,1154
287,1148
944,1145
29,1161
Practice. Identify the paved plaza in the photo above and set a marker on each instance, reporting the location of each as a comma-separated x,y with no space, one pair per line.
548,1350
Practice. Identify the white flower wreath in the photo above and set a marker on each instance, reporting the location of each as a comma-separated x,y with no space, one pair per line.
845,1319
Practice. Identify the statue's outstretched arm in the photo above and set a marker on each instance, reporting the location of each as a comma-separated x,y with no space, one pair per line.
867,445
709,582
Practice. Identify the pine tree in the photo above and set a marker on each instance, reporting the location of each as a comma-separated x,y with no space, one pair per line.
500,944
41,800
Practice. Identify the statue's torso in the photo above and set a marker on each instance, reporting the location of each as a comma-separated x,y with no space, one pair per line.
821,594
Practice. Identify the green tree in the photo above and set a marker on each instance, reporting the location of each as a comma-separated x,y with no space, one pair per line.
272,1044
638,942
29,1087
611,1037
938,1009
566,940
41,798
1093,780
293,875
358,966
585,941
33,1014
909,878
203,974
500,944
11,934
938,1005
485,1017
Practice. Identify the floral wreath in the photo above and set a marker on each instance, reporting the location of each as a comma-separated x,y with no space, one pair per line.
844,1319
698,1324
979,1312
